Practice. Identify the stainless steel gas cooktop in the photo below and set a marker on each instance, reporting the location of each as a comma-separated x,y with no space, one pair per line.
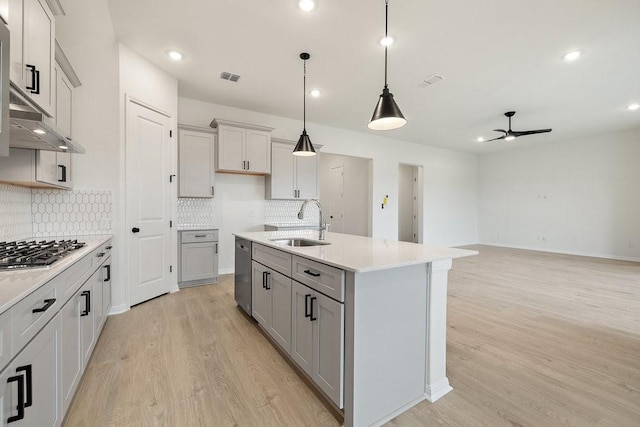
35,254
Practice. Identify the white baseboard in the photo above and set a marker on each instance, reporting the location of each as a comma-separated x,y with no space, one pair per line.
226,271
561,251
398,411
119,309
436,391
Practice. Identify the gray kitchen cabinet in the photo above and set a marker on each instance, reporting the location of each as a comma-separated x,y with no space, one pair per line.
32,27
36,168
272,303
243,148
198,257
35,371
196,163
292,177
301,327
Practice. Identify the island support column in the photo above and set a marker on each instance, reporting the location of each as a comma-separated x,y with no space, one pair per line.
436,382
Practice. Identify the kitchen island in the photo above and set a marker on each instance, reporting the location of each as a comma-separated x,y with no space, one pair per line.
380,316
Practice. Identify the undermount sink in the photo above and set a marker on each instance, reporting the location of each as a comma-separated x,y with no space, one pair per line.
299,242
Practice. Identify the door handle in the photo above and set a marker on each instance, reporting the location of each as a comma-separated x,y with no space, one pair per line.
35,80
20,380
108,268
267,287
87,303
264,280
311,273
29,380
47,304
306,305
63,178
135,230
312,318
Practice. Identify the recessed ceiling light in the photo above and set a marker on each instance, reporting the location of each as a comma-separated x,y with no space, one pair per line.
175,55
63,147
387,41
39,131
315,93
572,56
480,139
307,5
633,107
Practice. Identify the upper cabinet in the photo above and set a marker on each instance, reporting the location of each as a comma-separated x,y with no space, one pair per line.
243,148
292,177
196,162
32,27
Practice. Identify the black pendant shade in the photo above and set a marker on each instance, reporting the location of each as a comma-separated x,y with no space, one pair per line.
387,114
304,147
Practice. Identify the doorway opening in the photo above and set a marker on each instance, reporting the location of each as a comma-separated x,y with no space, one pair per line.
346,193
410,203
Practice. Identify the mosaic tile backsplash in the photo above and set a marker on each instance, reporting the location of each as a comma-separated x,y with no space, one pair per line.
287,211
195,213
15,212
71,213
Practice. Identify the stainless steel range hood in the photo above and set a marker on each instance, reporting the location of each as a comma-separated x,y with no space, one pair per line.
31,128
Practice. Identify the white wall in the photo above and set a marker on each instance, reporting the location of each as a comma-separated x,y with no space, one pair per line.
450,202
356,191
580,197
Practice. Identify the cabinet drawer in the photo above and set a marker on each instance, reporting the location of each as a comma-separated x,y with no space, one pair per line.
46,301
272,258
323,278
199,236
5,339
99,255
73,277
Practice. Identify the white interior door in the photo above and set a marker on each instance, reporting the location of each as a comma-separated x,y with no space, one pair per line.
336,210
148,202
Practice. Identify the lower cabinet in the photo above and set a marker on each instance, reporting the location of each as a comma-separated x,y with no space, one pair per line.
30,382
198,257
317,337
272,303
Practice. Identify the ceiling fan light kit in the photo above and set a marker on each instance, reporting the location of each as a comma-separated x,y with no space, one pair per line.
304,147
510,135
387,114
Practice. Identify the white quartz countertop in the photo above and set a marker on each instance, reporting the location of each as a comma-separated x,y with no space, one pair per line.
356,253
190,227
18,283
292,224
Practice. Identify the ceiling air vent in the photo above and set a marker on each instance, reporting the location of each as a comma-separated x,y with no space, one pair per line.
229,76
430,80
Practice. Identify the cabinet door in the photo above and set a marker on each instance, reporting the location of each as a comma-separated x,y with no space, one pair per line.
307,177
282,175
328,339
87,318
16,25
37,365
280,328
301,326
64,102
230,149
71,354
197,261
261,304
39,49
196,164
258,151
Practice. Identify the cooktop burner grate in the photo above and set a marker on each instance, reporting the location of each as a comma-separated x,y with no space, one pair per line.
33,254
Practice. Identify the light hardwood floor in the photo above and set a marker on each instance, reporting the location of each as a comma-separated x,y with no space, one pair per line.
534,339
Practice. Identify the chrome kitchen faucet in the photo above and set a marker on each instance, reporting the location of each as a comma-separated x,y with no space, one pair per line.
321,225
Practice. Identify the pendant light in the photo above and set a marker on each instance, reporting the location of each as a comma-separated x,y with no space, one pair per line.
387,114
304,147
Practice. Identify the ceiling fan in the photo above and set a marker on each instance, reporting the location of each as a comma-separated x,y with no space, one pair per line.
510,135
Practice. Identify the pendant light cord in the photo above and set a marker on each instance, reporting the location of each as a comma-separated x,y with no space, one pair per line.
304,98
386,38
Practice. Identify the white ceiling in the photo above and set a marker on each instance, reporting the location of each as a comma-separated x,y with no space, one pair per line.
495,55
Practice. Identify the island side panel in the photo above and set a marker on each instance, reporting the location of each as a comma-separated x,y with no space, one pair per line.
437,383
385,343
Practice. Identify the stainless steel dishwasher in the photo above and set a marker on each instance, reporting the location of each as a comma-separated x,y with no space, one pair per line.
243,274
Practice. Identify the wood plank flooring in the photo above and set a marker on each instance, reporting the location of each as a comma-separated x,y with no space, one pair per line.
534,339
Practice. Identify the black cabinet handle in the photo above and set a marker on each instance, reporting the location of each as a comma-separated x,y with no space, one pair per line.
108,268
64,173
108,248
20,380
306,305
312,318
264,280
216,248
87,303
311,273
267,287
200,235
100,255
35,80
135,230
248,165
27,371
47,304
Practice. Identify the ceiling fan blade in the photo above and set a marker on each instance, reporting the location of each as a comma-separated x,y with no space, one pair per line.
530,132
500,130
495,139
